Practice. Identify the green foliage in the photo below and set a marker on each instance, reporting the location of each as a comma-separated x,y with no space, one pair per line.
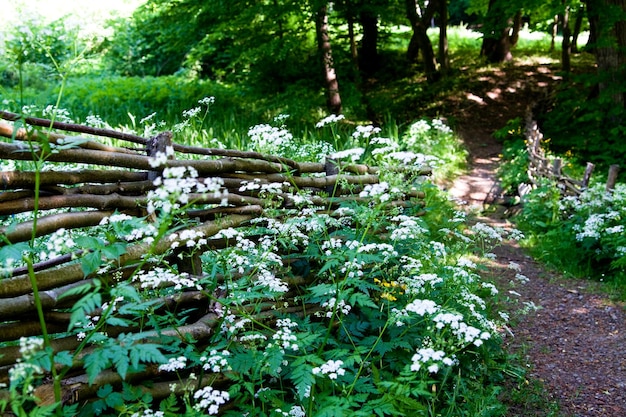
394,319
581,235
513,171
586,124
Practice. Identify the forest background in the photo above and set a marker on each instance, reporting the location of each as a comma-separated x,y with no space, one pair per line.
301,79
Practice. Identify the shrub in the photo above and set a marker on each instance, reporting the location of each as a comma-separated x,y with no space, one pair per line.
583,235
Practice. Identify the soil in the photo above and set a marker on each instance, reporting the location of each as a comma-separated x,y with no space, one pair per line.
568,333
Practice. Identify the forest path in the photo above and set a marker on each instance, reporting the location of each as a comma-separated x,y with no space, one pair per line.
568,332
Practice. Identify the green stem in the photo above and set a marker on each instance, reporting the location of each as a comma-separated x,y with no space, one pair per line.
36,296
364,361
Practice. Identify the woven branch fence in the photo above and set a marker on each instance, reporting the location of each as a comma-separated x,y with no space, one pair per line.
542,166
117,179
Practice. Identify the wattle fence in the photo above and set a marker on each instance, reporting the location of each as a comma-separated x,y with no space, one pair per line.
542,166
86,181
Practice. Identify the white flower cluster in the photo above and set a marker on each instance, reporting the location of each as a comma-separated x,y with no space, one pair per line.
174,364
158,277
420,284
384,249
148,232
419,160
365,131
353,154
210,400
161,158
597,224
381,192
431,357
293,229
333,118
24,368
216,361
295,411
284,335
29,346
332,369
191,238
332,305
149,413
231,325
115,218
464,333
487,232
177,183
330,244
353,268
58,243
269,138
266,278
422,307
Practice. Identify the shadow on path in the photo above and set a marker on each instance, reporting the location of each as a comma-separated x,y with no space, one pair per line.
571,335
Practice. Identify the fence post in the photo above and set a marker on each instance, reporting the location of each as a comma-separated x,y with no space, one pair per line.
556,167
331,167
156,144
612,177
587,176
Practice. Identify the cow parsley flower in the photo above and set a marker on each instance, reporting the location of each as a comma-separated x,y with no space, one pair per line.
332,369
210,399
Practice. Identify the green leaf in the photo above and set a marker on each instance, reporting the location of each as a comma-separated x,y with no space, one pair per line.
64,358
302,375
116,321
89,242
81,289
121,361
84,307
96,362
15,251
146,352
90,262
114,251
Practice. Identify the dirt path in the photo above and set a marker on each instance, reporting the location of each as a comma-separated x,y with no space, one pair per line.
572,336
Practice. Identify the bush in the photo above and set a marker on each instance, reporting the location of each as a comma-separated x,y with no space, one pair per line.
582,235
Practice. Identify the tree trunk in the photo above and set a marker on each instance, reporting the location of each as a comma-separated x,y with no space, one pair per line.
517,26
555,31
565,45
368,55
578,23
420,40
353,49
333,99
444,60
496,45
609,35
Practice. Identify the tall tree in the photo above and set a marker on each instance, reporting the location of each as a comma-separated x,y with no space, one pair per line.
420,17
444,60
333,99
497,41
607,20
566,48
368,54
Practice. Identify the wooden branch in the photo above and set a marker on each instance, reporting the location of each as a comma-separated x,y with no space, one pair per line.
88,156
50,224
22,304
50,279
22,134
232,153
26,179
71,127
